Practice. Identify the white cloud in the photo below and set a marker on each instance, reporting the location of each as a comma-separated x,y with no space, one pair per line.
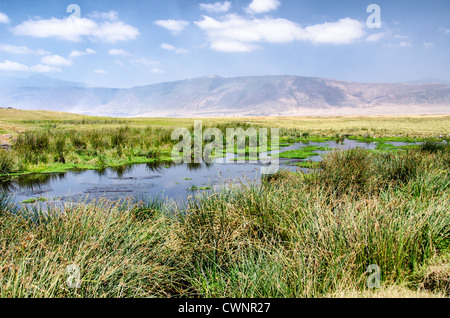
399,45
145,62
216,7
101,72
235,33
170,47
236,28
4,18
156,71
375,37
111,15
113,32
44,69
116,52
154,65
14,66
232,46
56,60
21,50
175,26
75,29
404,44
88,51
428,45
344,31
447,31
261,6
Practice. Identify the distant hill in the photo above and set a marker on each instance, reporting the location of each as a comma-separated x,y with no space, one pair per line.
36,81
239,96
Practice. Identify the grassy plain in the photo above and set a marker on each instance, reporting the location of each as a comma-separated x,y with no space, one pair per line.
47,142
14,121
294,235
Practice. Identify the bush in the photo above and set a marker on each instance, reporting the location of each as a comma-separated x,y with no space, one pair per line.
433,147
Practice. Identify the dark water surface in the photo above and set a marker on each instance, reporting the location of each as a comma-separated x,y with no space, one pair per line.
144,181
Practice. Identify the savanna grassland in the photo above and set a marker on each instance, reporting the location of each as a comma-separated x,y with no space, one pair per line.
46,142
292,235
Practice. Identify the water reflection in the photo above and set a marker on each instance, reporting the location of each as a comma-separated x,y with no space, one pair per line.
166,179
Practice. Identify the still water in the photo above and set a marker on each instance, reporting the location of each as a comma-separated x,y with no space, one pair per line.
144,181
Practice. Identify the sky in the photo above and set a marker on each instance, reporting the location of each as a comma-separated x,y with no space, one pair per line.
116,43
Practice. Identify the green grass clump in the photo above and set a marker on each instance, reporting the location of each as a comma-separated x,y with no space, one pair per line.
6,162
196,188
58,150
363,171
6,204
303,153
433,146
34,200
308,164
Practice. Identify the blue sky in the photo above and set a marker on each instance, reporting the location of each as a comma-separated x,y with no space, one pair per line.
118,43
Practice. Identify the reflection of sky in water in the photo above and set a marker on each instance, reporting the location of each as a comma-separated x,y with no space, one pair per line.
151,180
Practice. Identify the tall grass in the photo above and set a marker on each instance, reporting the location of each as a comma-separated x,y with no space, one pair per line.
362,172
6,162
46,148
290,236
119,255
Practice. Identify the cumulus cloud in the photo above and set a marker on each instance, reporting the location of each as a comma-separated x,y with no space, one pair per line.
170,47
75,29
111,15
217,7
236,28
88,51
344,31
261,6
234,33
117,52
13,66
56,60
39,68
375,37
4,18
13,49
175,26
233,46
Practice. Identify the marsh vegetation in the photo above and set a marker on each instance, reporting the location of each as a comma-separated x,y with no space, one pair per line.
291,235
294,235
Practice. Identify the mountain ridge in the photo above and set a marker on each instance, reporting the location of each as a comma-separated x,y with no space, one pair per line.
212,96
